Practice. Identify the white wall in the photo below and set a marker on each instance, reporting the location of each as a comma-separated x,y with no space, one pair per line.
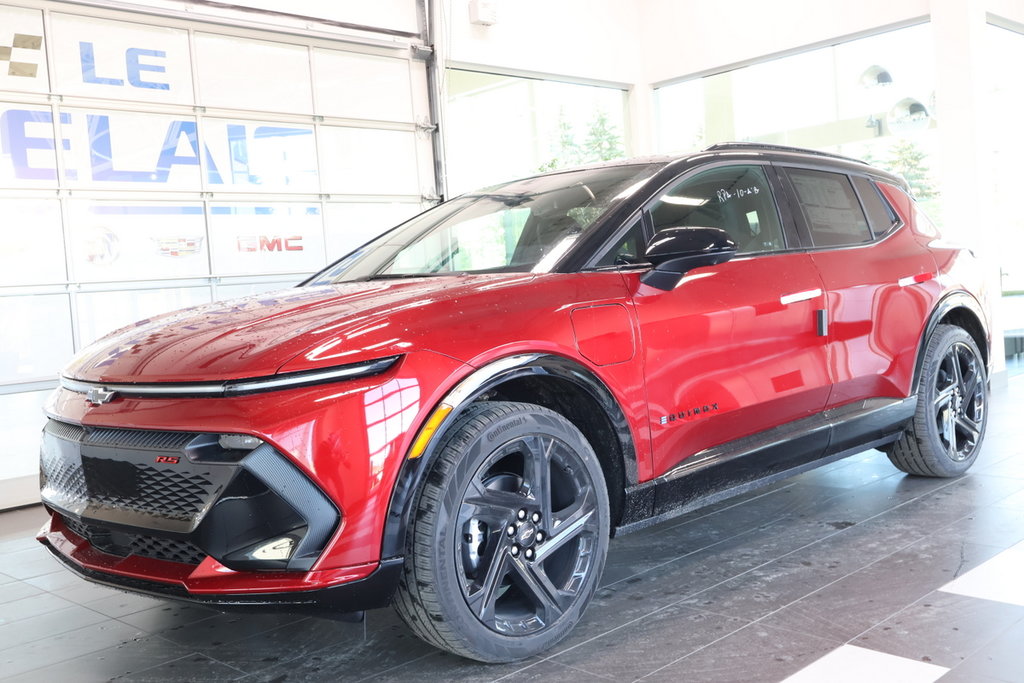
684,38
1007,9
592,40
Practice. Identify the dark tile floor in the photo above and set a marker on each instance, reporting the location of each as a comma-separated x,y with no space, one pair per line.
833,573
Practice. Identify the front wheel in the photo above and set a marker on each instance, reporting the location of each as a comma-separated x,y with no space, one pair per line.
509,537
952,410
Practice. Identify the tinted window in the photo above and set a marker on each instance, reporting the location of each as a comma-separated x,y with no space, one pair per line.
523,226
736,199
830,207
881,215
628,250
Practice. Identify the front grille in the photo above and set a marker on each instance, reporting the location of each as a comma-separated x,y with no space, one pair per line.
129,476
181,497
161,492
66,431
63,475
166,549
140,545
76,527
158,491
140,438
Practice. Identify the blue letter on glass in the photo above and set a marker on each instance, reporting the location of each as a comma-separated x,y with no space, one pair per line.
15,142
102,160
89,67
131,58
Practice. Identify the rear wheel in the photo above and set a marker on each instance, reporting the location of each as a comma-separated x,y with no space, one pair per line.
949,425
510,535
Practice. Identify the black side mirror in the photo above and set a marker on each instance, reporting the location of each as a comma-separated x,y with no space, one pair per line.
676,251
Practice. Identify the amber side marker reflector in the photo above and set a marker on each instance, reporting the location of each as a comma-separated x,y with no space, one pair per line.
433,422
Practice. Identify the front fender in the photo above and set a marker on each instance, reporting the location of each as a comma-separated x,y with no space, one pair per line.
414,470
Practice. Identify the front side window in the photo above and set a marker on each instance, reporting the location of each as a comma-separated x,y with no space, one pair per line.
524,226
737,199
830,208
629,250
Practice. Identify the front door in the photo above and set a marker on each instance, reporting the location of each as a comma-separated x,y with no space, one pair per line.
733,349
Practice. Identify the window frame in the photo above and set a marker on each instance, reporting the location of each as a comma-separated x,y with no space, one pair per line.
779,197
897,221
798,212
800,219
636,219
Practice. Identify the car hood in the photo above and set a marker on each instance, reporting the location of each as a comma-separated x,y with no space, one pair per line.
283,331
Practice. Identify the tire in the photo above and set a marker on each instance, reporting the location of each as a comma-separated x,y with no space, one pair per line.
509,536
949,424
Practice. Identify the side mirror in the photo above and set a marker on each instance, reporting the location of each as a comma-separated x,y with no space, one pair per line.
676,251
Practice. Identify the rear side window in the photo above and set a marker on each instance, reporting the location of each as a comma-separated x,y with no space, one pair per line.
830,208
881,216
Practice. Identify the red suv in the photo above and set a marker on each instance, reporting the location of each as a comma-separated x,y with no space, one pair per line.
457,416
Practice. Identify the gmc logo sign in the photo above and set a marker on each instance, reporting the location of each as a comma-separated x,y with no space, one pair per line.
251,244
168,459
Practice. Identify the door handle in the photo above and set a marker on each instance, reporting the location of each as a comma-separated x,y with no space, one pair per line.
787,299
821,322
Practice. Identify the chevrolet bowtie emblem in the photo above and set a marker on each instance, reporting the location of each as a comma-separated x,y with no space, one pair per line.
100,395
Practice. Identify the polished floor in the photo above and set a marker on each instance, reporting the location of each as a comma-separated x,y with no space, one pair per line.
853,572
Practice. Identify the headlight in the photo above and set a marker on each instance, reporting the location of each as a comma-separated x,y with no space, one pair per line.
306,377
100,392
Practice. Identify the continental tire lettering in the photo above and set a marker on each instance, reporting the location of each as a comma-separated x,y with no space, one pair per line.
501,429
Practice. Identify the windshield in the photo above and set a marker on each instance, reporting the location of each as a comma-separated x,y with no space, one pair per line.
523,226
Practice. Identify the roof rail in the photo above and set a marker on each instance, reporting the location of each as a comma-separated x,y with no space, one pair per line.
719,146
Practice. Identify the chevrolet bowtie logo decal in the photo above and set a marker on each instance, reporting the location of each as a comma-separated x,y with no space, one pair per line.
100,395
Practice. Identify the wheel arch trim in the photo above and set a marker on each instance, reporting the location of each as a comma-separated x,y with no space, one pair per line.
951,302
413,470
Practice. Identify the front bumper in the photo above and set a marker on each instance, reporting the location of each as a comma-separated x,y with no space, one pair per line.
337,592
173,515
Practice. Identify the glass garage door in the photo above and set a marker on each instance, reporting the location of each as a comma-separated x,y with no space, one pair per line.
149,163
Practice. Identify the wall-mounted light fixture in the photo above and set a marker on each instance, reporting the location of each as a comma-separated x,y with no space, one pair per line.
908,116
875,77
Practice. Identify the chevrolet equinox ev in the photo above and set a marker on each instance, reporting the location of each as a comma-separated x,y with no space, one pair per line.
457,416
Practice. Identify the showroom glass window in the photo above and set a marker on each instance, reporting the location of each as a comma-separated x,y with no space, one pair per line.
501,127
1004,147
872,98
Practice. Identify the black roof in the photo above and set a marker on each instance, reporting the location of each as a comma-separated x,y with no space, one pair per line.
763,147
759,150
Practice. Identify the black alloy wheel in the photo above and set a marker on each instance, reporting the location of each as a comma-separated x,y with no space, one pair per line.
528,527
959,404
945,436
510,536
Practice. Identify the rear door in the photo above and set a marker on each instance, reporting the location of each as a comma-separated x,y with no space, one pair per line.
878,277
733,349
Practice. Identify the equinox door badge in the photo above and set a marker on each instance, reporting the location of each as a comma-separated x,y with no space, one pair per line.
696,411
